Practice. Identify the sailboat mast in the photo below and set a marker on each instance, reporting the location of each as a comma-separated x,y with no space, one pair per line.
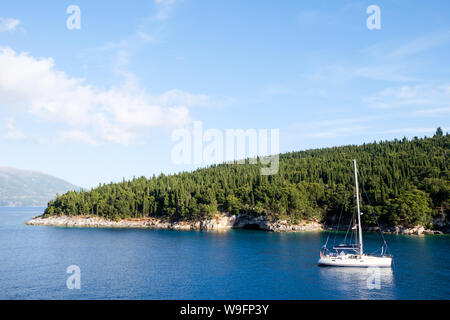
359,212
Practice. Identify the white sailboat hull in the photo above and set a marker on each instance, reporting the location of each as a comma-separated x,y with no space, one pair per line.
355,261
352,255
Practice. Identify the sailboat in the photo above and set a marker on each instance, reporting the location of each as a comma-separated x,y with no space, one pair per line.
352,255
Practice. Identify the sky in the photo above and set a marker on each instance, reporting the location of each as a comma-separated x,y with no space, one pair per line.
101,102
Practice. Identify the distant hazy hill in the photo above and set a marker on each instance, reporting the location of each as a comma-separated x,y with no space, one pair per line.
29,188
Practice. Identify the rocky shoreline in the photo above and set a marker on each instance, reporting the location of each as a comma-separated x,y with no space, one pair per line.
220,222
418,230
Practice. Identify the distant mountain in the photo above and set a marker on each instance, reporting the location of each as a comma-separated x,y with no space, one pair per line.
30,188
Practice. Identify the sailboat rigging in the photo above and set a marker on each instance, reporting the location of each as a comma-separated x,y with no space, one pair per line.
352,255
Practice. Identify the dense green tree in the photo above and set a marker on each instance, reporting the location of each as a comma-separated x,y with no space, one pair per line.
410,208
406,182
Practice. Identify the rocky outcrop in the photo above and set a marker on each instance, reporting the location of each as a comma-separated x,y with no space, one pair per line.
417,230
261,223
220,222
217,223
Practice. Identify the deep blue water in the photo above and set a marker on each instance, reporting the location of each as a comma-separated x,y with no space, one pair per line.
240,264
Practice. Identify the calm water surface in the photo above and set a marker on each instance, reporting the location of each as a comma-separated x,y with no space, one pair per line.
240,264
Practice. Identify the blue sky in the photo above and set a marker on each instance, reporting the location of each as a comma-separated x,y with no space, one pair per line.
100,103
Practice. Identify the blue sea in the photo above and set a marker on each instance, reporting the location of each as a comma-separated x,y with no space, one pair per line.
240,264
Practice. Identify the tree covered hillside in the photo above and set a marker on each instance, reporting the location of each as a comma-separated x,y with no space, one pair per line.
406,181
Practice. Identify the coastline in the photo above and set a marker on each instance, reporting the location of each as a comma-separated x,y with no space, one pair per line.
399,230
220,222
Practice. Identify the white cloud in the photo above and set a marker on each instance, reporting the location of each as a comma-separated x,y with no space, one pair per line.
90,115
432,112
341,74
392,73
412,96
387,61
78,136
336,132
8,24
122,50
326,18
177,97
12,133
163,9
414,130
387,51
16,135
421,44
334,128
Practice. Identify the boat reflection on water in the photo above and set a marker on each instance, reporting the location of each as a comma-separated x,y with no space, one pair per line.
360,283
